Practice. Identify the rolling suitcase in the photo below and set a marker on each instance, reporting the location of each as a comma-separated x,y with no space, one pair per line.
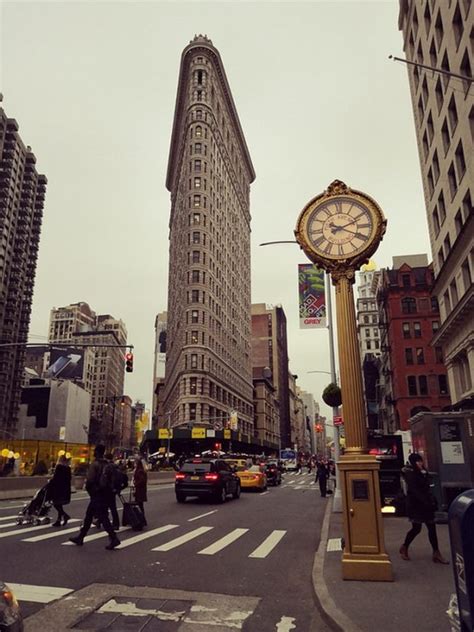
132,514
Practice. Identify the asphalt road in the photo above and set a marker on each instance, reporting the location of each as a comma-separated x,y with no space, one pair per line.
260,546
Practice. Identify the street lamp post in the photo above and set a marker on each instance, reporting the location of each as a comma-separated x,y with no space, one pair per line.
110,435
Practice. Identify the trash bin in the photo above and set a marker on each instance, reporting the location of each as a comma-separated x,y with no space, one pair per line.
461,528
441,514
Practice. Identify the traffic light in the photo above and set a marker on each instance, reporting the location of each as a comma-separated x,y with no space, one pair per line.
318,427
129,362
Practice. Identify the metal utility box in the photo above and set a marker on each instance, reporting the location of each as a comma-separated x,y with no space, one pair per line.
461,528
446,442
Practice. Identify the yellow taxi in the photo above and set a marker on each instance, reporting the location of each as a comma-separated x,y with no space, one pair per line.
235,462
251,477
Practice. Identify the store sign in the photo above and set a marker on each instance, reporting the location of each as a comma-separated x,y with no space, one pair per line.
227,434
338,421
164,433
198,433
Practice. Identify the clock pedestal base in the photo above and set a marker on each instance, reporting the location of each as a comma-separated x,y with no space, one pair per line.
364,557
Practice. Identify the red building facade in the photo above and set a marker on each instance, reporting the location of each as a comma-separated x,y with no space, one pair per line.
413,376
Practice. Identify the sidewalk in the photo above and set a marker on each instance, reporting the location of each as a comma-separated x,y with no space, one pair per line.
417,599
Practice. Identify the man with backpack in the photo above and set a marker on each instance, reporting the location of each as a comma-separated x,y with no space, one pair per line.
99,488
114,481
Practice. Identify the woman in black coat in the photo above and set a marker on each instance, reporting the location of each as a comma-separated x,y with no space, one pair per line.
421,506
60,489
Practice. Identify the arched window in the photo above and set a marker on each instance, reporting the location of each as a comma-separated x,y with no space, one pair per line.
198,131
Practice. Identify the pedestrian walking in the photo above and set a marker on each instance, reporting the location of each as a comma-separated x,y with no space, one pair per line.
59,490
140,485
97,486
298,466
421,506
322,475
116,481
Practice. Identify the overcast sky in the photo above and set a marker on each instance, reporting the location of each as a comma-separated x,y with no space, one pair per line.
93,87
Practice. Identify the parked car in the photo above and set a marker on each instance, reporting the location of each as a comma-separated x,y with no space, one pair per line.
252,478
211,478
10,614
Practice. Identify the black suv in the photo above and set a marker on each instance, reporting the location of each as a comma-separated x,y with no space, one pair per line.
212,478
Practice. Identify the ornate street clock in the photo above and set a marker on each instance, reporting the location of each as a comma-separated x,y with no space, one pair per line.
340,228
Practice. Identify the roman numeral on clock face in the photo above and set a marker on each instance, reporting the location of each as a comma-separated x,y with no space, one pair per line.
317,242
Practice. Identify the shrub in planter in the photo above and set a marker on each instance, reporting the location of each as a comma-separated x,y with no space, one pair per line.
332,395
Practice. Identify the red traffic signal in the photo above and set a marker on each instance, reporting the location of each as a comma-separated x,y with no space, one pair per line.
129,362
318,427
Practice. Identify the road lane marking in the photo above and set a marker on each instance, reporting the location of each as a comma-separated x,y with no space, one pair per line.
202,515
172,544
291,482
268,544
47,536
263,493
23,530
8,517
38,594
223,542
146,534
286,624
8,524
96,536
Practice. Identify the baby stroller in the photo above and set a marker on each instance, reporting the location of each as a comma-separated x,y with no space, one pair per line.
37,509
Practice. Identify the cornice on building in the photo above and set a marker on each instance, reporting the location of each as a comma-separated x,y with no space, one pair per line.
205,45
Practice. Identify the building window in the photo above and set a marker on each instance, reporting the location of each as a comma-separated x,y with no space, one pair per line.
197,183
195,276
434,304
196,218
194,337
447,302
445,66
466,275
446,137
417,330
439,355
192,411
462,363
466,69
194,296
452,115
467,203
193,386
406,280
420,355
198,114
411,380
197,165
443,385
408,305
408,356
453,185
439,31
197,148
376,343
369,344
423,384
406,330
436,222
367,333
457,25
454,292
196,237
194,316
441,208
366,319
460,161
458,222
196,256
434,326
194,361
197,200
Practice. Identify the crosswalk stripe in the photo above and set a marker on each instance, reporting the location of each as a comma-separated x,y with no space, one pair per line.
48,536
182,539
96,536
23,530
291,482
38,594
268,544
147,534
223,542
8,524
8,517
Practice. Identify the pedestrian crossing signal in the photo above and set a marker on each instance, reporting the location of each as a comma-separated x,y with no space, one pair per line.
129,362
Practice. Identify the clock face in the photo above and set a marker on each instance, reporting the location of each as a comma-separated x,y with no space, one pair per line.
340,227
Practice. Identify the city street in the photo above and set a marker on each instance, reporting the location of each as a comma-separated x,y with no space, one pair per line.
259,550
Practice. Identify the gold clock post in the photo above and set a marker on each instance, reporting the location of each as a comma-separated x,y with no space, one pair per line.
339,230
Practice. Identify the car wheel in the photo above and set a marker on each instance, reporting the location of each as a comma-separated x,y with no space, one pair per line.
181,498
236,494
222,495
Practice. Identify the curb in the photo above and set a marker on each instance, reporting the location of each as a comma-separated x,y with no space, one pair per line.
338,621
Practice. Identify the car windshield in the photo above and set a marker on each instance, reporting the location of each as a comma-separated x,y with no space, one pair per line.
240,468
254,468
196,467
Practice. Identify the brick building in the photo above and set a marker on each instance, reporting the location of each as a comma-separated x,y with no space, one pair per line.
412,374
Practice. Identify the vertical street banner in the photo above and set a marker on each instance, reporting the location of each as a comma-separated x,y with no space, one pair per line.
312,299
